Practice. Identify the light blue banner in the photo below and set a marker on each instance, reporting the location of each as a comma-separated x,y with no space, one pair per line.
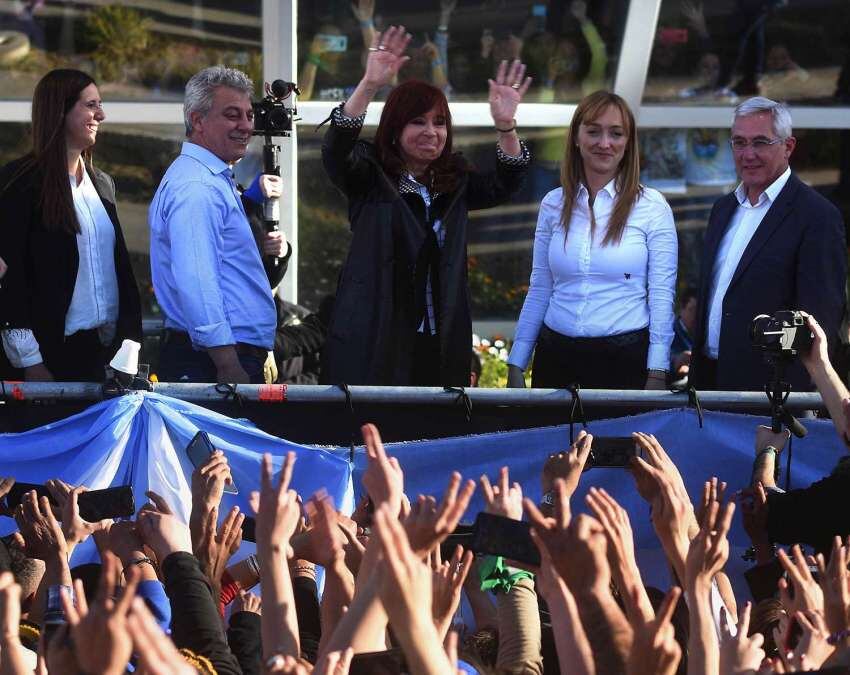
140,439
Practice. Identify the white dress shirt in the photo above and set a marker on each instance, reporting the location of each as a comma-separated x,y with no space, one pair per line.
94,303
742,227
583,289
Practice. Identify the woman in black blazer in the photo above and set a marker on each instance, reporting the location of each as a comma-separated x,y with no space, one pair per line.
69,296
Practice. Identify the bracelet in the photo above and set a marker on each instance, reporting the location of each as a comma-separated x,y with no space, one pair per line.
767,449
137,561
835,638
315,59
368,23
507,131
310,569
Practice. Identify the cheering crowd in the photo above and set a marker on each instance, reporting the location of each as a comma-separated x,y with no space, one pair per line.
165,597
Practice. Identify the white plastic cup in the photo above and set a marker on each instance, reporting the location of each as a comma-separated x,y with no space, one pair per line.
126,359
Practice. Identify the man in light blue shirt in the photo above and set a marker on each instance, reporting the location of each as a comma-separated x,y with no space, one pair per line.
207,272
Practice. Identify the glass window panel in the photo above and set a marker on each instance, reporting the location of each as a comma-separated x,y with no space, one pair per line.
716,53
570,48
134,49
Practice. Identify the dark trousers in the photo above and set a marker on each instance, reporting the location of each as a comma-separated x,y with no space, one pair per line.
81,358
425,371
705,373
612,362
179,362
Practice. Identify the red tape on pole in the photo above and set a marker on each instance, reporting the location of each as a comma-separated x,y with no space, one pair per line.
272,393
15,392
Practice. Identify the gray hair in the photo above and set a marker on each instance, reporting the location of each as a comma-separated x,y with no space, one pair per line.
779,113
201,87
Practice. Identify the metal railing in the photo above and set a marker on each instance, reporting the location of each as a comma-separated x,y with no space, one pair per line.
431,396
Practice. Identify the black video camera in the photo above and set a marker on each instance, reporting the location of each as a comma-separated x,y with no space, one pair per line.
271,116
784,334
781,338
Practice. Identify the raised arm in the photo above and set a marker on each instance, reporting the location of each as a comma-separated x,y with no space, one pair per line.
707,555
577,548
386,57
278,513
505,94
828,382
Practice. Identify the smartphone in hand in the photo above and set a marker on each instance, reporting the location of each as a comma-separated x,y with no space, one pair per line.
199,450
612,452
95,505
511,539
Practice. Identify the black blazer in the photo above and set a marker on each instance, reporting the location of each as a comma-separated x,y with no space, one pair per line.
36,291
797,259
375,315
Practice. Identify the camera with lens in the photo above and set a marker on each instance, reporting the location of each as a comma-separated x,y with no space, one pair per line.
784,334
271,116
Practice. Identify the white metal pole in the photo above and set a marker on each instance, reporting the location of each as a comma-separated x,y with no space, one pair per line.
279,62
635,52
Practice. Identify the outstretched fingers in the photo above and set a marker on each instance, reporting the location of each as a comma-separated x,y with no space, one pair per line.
744,619
668,606
286,472
535,517
584,443
455,503
486,488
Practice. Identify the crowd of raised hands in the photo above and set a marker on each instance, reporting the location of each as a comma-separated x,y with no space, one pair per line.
157,601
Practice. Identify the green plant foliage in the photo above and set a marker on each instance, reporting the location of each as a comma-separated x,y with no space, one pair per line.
120,36
493,291
494,372
494,362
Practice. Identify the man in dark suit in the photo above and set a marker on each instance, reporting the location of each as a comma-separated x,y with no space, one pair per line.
773,244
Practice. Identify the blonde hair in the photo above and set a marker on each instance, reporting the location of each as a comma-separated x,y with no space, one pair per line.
590,108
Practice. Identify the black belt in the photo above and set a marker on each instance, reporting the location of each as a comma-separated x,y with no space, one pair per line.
179,337
619,340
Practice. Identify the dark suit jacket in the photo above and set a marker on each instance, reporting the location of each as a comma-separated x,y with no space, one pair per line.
797,259
38,287
382,284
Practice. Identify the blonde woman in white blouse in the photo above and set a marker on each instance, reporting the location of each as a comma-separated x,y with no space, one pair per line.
599,309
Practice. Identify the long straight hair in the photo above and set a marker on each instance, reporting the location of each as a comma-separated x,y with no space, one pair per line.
55,95
406,102
628,186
